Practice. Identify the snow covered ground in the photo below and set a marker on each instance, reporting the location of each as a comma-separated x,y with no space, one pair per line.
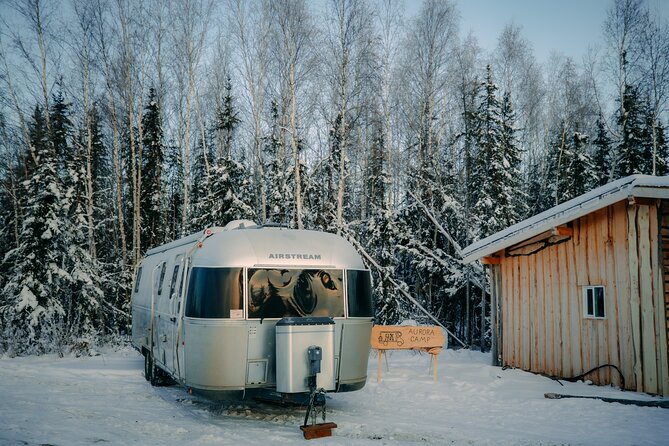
105,400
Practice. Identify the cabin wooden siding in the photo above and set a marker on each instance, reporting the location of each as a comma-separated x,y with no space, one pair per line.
540,318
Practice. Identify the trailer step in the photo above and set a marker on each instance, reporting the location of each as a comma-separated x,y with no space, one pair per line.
318,430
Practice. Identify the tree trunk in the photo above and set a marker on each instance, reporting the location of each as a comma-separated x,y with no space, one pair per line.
296,152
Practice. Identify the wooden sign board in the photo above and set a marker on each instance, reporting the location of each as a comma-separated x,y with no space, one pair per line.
429,338
407,337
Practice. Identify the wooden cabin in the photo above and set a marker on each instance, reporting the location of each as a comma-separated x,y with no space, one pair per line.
586,284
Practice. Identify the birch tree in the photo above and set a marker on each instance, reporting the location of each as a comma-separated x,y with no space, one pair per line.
654,48
349,65
294,57
191,30
430,44
623,29
84,56
104,50
519,75
251,24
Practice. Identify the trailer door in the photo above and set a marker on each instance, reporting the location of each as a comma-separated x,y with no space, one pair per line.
175,306
177,329
159,318
156,290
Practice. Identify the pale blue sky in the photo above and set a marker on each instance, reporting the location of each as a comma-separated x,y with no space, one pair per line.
566,26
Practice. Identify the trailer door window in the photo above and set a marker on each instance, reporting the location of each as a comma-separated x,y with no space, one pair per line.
162,278
173,282
277,293
359,284
138,278
214,292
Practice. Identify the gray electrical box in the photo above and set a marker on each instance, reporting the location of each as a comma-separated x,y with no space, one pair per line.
294,337
315,355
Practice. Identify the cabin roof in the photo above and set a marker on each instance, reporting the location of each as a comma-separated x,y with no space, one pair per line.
639,186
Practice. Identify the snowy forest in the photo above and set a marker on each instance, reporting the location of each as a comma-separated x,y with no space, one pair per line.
126,124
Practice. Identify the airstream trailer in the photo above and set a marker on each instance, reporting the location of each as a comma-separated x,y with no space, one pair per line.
230,312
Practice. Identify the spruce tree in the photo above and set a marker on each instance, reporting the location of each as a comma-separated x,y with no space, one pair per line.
82,292
660,151
226,121
381,236
100,171
327,175
278,169
580,176
172,184
10,212
555,175
535,188
426,260
230,195
497,163
61,127
223,192
85,295
33,311
153,155
518,208
632,152
601,155
570,170
201,194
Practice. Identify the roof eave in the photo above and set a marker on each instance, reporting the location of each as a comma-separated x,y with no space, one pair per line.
633,186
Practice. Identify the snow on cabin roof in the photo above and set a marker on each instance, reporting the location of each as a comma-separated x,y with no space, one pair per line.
641,186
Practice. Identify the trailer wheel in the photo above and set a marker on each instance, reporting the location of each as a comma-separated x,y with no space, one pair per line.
156,373
148,367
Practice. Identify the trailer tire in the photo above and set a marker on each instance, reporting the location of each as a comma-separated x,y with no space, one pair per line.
148,367
155,373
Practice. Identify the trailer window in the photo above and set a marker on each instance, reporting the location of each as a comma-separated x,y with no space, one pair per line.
214,292
138,278
277,293
175,273
162,278
359,284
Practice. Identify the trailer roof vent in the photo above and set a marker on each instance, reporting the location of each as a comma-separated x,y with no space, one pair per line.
240,224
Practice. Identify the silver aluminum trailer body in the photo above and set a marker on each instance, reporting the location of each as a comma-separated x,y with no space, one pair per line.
205,307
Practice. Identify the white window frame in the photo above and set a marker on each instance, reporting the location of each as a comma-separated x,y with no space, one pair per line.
593,315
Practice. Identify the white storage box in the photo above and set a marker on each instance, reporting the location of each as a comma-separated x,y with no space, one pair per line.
294,335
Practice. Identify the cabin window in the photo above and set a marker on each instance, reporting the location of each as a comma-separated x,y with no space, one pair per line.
277,293
593,302
214,292
138,278
173,283
162,278
359,284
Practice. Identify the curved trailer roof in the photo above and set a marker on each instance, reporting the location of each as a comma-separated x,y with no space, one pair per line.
242,243
640,186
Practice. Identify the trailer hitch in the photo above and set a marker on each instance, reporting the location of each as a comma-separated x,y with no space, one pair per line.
317,401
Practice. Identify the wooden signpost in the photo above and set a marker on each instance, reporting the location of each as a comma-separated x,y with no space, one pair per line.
428,338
